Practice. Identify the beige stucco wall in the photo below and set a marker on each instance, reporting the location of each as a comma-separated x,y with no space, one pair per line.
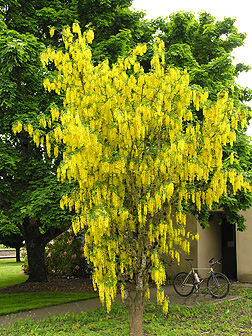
209,244
191,225
244,249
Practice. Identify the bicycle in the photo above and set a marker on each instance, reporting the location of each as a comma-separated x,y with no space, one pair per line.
218,284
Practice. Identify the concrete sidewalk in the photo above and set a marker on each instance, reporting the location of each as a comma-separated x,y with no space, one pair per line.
87,305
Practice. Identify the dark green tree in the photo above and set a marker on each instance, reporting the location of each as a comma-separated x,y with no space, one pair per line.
10,235
116,27
29,195
29,191
204,47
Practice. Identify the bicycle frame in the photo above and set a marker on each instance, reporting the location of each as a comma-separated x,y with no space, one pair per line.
192,272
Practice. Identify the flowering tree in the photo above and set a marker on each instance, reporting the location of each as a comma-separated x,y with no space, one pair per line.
138,154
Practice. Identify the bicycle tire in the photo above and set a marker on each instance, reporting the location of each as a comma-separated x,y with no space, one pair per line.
183,289
218,285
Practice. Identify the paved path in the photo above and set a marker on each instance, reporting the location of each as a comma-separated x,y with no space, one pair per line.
86,305
7,253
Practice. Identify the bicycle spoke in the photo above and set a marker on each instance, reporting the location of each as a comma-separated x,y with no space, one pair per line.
183,284
218,285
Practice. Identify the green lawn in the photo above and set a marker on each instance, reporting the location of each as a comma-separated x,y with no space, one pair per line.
10,274
227,318
13,303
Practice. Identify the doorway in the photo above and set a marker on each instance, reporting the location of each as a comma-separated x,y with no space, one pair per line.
229,262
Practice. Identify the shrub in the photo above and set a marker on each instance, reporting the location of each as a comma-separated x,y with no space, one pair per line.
64,256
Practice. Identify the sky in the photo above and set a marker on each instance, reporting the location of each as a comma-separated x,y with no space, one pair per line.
240,10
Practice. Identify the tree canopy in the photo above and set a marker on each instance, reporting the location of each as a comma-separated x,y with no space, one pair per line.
117,28
10,235
136,151
30,192
204,47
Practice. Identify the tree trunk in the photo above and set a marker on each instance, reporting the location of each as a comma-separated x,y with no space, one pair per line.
17,254
36,261
136,308
35,246
135,302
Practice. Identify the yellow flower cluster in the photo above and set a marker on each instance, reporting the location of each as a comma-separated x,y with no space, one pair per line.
134,148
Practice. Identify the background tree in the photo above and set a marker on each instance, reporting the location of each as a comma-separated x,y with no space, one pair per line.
29,192
140,151
21,74
204,47
10,235
117,28
124,27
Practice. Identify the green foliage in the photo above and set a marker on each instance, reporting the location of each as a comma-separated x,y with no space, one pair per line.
35,16
65,256
29,190
230,203
203,46
117,28
20,78
10,234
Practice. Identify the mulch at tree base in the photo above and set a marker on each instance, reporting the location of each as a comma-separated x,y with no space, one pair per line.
71,285
75,285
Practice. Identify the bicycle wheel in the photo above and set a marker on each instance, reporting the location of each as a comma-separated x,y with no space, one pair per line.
183,284
218,285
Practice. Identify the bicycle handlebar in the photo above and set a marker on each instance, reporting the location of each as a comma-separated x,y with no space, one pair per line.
211,261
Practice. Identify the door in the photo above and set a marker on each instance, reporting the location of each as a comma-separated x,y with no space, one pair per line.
228,233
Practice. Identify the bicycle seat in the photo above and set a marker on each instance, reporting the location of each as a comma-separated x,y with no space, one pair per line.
189,259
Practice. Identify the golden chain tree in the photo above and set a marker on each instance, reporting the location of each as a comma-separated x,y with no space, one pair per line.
136,150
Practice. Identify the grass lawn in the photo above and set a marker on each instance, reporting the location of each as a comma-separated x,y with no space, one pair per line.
223,319
13,303
10,272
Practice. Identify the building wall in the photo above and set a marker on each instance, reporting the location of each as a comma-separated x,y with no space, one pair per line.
191,225
209,244
244,249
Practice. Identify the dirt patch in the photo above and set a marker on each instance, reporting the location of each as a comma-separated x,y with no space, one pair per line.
53,284
71,285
